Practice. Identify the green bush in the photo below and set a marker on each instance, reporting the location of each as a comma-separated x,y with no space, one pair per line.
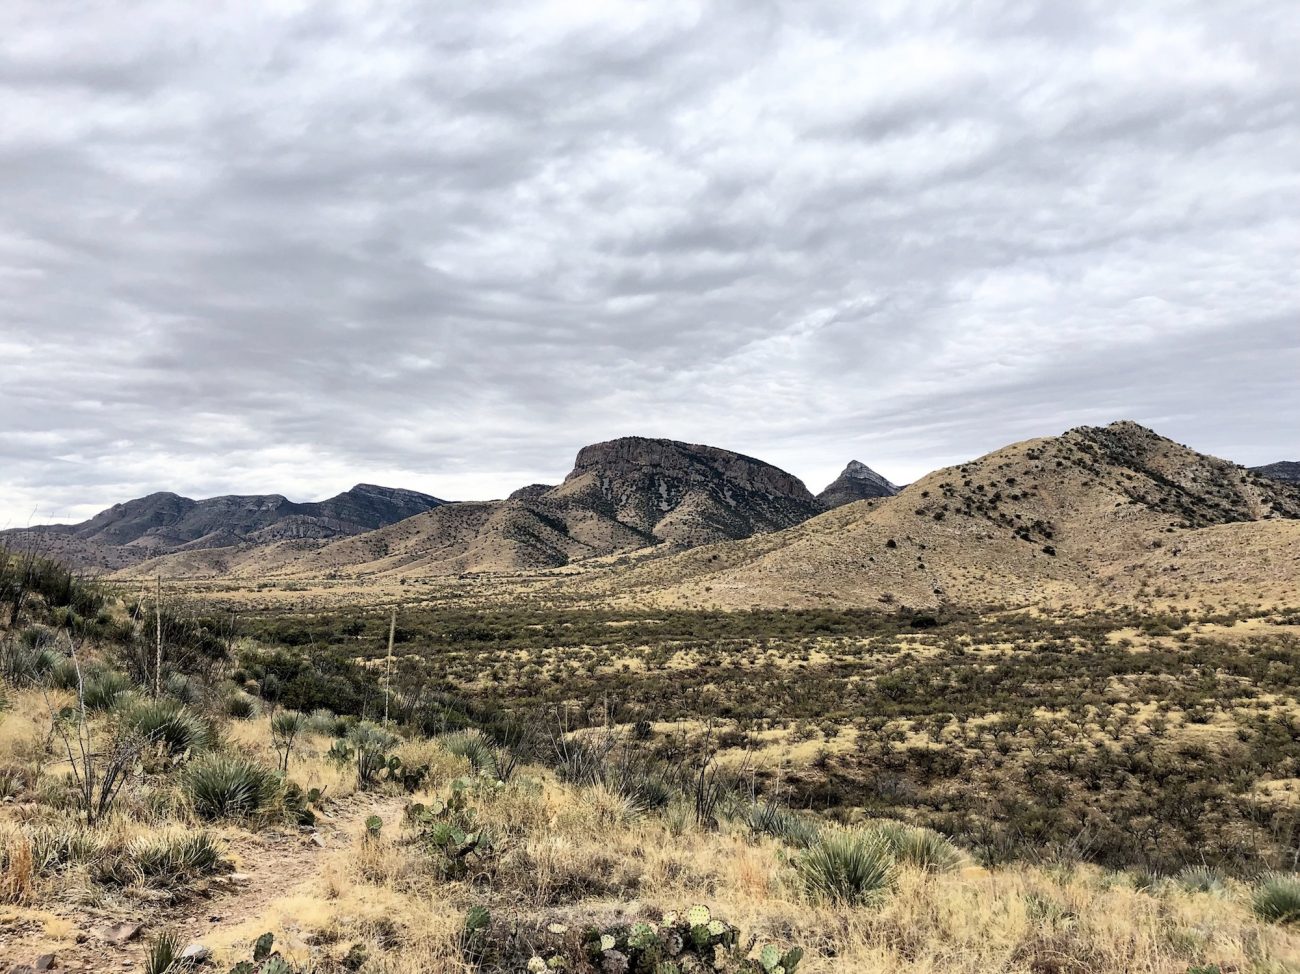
171,724
1277,898
164,954
848,867
27,661
240,706
104,689
780,823
923,848
167,860
231,787
475,748
1200,879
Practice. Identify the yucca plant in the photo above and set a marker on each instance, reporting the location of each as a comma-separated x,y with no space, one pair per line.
240,706
104,689
164,956
25,662
1201,879
177,858
780,823
170,723
923,848
475,748
848,867
285,728
231,787
370,746
1277,898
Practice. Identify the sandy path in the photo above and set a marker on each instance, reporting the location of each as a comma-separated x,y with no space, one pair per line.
273,866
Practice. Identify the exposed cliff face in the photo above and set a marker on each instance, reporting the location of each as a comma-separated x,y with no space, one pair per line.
684,493
858,482
622,496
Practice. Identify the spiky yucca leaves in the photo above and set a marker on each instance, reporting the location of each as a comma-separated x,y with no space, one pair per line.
170,723
475,748
919,847
164,953
371,745
285,728
104,689
53,847
848,867
240,706
780,823
1277,898
165,860
231,787
1201,879
25,662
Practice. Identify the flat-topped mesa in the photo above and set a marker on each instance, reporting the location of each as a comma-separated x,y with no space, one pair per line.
857,482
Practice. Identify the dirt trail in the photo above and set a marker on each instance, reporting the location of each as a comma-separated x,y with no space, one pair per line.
273,866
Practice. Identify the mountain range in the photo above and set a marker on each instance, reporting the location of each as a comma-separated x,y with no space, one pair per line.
162,523
1097,512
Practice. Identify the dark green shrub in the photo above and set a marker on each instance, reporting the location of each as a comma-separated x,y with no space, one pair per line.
169,723
231,787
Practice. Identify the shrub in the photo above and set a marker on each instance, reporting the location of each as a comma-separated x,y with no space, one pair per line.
780,823
285,728
25,662
848,867
324,721
1277,898
231,787
368,745
922,848
475,748
164,955
240,706
180,687
1200,879
103,689
171,724
167,860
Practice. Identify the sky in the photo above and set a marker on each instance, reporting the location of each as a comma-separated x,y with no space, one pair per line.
291,246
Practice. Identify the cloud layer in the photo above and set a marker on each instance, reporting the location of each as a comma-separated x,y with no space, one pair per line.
292,246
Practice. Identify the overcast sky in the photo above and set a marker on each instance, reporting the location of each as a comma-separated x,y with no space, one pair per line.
287,247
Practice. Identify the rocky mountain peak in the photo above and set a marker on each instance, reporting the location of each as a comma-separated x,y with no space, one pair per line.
857,482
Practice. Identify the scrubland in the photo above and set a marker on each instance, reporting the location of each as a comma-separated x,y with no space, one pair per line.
582,790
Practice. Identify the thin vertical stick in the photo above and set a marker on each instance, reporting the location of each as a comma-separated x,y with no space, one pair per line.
157,668
388,669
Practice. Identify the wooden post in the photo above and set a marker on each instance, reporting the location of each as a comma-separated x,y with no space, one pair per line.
388,669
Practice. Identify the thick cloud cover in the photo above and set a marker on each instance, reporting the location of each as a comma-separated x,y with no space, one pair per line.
289,246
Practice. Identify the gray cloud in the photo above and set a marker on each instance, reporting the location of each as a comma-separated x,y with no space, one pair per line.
290,247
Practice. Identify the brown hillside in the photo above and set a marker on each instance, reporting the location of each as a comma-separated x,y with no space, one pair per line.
1046,520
